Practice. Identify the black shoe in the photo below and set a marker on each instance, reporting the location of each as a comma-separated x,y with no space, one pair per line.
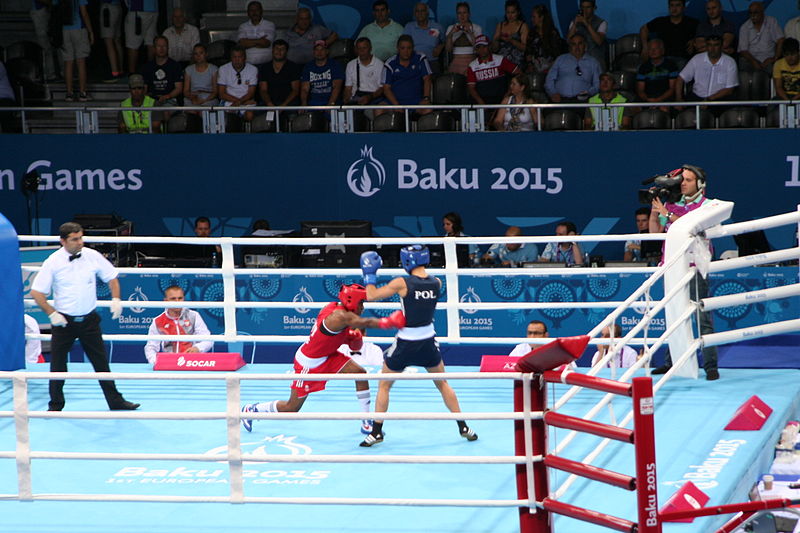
371,440
124,405
54,408
661,370
469,434
712,374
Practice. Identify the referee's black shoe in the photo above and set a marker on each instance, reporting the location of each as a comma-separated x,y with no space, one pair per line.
661,370
124,405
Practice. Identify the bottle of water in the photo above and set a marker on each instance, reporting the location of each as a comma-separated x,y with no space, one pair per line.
214,260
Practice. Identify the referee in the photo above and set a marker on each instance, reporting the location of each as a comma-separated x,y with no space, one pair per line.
71,272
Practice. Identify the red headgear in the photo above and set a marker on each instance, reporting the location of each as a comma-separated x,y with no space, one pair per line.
352,295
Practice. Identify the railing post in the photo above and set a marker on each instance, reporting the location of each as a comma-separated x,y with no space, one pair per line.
22,427
531,519
233,389
228,289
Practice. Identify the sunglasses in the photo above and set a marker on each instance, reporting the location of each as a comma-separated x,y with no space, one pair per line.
238,78
578,70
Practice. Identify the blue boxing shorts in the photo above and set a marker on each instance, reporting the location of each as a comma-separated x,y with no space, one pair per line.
403,353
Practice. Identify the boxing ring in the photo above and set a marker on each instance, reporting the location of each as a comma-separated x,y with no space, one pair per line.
547,485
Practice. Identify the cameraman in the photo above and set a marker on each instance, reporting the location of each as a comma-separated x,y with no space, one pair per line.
662,216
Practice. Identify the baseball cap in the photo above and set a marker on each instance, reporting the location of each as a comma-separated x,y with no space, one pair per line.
481,40
135,80
320,42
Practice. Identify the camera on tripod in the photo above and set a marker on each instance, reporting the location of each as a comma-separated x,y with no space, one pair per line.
666,187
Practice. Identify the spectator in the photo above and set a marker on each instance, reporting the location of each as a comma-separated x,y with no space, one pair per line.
369,354
256,35
33,347
181,38
633,248
663,215
760,40
511,35
78,40
176,321
301,38
655,80
714,74
593,29
140,27
279,79
487,74
511,254
544,42
536,330
428,35
7,99
407,77
608,94
383,32
164,77
792,29
568,253
202,228
786,73
363,76
454,227
111,33
460,39
137,121
200,79
322,79
676,30
625,357
238,81
574,76
41,12
716,24
517,118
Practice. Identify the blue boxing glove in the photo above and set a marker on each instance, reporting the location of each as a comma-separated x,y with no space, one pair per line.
370,263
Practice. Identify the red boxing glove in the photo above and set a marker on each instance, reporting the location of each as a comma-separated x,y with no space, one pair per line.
395,320
355,340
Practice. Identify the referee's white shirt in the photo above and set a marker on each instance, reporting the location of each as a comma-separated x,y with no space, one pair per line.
73,283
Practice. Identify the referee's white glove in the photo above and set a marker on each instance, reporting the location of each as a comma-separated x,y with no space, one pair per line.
57,319
116,308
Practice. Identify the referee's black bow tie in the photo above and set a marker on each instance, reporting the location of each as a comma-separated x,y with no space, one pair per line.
74,256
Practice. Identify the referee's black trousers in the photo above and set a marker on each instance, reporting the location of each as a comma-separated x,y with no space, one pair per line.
87,330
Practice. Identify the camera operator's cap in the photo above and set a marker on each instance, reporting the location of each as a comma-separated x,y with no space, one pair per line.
135,81
481,40
320,42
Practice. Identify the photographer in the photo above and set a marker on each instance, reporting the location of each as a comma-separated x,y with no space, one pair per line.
662,216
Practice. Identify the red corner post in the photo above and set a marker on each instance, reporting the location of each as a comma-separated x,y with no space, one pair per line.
532,520
645,449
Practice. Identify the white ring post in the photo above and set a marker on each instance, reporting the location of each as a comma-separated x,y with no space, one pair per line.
451,275
23,438
229,289
232,386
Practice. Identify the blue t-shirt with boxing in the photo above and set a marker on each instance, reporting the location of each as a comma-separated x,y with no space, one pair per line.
321,80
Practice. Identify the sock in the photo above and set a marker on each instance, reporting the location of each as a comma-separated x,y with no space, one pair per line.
363,399
462,426
267,407
377,428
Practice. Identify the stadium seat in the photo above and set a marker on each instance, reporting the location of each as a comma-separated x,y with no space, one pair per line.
562,119
449,88
625,80
185,123
739,117
437,121
219,52
389,122
537,81
774,118
26,49
753,85
628,62
651,119
312,122
260,124
686,119
342,48
627,44
234,123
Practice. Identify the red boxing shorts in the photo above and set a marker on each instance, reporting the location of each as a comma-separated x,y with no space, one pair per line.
303,364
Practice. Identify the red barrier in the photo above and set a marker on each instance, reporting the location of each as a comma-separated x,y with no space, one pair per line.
587,515
211,361
687,498
561,351
498,363
750,416
591,472
588,426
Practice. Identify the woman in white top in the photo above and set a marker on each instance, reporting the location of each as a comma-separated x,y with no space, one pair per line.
460,39
200,80
517,118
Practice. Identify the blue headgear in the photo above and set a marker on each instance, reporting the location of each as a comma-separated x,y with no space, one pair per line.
414,256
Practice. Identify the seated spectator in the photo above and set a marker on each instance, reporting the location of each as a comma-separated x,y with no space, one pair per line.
574,76
716,24
544,42
428,35
593,29
625,358
760,40
488,73
140,27
676,30
517,118
407,77
536,330
786,73
181,38
655,80
511,254
261,227
383,32
792,29
279,79
363,76
163,77
137,121
633,248
301,37
454,227
569,253
511,34
176,321
714,74
322,79
460,39
78,39
200,80
370,353
256,35
33,347
202,228
7,99
237,82
608,94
